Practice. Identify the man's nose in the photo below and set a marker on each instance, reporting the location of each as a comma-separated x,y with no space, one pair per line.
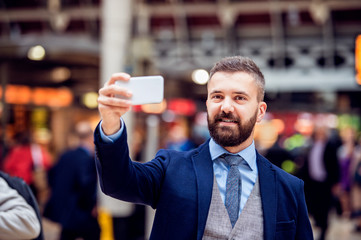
227,105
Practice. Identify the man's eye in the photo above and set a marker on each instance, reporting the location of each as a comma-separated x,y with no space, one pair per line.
217,97
240,98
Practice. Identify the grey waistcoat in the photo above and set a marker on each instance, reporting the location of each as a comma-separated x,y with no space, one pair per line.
249,225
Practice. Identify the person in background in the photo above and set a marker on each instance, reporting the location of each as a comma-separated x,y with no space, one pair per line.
277,154
29,161
73,184
356,186
346,159
224,189
320,171
18,220
3,146
178,137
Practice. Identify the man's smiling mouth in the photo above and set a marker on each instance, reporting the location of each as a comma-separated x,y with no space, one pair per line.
228,121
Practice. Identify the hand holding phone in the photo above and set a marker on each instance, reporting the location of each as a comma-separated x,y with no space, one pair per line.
145,90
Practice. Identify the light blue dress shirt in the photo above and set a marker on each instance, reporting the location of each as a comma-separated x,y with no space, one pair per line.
248,168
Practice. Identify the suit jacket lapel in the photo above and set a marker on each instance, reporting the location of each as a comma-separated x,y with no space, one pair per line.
203,167
268,189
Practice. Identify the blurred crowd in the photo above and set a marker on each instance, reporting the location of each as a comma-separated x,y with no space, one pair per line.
329,162
65,186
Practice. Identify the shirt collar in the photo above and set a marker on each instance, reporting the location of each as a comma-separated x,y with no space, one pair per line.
248,154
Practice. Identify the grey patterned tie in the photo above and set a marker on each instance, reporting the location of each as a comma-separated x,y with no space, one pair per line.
233,187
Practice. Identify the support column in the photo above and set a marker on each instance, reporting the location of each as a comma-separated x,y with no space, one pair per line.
4,108
278,36
151,146
116,28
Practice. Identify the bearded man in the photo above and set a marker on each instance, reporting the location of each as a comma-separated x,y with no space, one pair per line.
224,189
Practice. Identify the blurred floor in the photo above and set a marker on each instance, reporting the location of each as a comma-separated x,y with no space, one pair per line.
340,229
51,230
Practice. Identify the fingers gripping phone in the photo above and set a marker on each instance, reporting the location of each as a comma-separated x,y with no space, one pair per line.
146,89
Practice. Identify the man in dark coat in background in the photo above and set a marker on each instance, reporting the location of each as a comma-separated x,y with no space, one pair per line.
73,183
320,171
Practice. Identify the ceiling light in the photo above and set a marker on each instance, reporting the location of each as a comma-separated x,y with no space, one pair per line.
200,76
36,53
60,74
90,100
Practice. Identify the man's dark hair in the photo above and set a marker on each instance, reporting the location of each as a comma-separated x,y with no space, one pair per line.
83,130
241,64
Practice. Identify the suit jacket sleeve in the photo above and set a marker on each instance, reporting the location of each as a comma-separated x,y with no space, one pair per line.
124,179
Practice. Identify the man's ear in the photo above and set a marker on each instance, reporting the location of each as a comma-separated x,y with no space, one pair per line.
262,107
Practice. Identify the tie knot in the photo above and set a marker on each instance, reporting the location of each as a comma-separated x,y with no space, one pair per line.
232,160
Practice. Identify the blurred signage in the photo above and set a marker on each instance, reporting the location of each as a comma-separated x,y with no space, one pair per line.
358,59
52,97
179,106
182,106
156,108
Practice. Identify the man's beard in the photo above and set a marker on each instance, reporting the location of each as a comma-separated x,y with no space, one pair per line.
228,136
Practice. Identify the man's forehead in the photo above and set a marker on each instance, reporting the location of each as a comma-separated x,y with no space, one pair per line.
225,77
232,82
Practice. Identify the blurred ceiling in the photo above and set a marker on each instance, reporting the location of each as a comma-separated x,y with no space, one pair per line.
176,36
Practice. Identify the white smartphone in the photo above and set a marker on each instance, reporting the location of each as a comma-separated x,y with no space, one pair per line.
146,89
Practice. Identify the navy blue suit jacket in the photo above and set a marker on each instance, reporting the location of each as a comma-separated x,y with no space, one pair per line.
179,186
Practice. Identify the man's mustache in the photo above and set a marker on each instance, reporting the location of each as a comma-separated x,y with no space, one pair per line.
226,116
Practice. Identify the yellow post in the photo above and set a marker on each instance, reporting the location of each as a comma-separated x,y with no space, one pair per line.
106,224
